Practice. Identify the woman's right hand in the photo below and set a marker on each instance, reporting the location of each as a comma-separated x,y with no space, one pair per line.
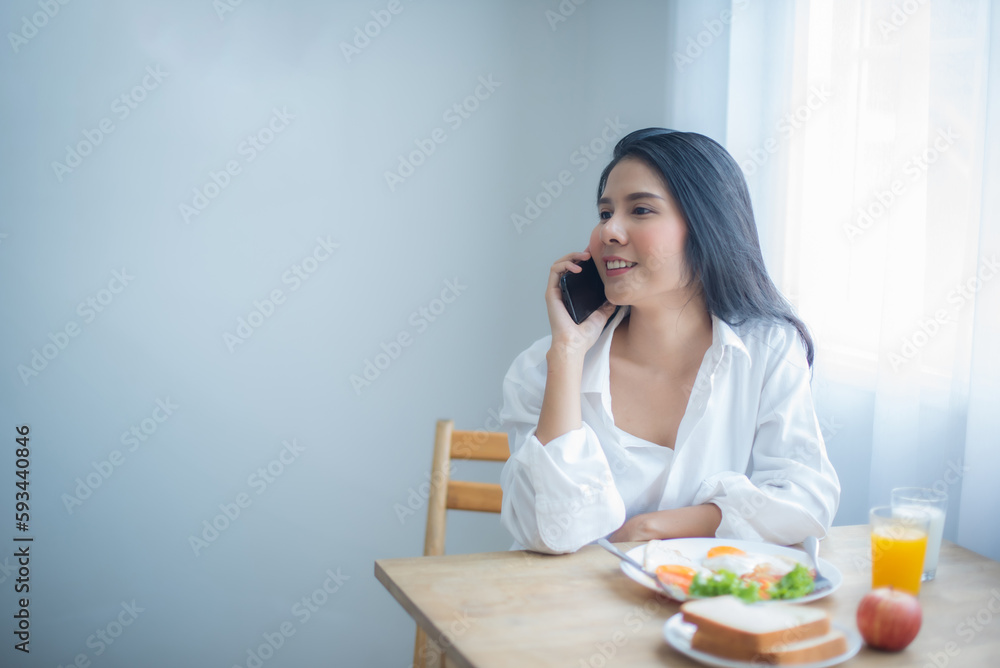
568,338
560,412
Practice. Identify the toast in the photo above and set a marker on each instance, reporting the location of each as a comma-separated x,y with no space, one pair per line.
824,647
775,633
758,627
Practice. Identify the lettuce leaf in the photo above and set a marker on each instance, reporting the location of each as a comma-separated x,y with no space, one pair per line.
725,582
796,584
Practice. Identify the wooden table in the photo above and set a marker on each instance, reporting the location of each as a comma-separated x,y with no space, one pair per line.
522,609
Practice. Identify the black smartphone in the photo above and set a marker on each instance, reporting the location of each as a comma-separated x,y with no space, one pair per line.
583,292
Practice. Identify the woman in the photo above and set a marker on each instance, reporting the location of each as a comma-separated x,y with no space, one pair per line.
686,410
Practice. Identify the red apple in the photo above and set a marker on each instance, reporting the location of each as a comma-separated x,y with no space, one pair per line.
889,619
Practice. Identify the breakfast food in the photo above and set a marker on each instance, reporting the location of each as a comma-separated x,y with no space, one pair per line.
673,568
725,569
755,627
889,619
820,648
779,634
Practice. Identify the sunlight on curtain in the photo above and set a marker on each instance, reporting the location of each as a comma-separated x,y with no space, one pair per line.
873,193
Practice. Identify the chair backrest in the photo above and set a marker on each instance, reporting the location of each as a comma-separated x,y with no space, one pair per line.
447,494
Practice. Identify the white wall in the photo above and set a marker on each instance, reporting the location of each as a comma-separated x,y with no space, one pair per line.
334,506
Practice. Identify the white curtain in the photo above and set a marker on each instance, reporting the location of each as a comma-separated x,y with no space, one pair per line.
862,128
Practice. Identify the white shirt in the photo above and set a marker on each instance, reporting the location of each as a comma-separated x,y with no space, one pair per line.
749,442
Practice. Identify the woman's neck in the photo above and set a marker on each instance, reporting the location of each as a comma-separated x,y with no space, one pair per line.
668,337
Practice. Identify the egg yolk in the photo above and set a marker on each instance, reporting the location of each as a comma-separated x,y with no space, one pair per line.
725,549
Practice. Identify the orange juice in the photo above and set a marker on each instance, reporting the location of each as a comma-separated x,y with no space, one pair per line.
898,557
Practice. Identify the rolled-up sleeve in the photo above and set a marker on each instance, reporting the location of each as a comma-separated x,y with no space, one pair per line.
792,490
560,496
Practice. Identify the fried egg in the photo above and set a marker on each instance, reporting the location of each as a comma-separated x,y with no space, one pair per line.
673,568
656,555
744,563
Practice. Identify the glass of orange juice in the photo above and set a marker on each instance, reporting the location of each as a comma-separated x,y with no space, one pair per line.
899,544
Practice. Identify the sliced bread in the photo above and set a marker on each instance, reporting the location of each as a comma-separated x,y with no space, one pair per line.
755,628
824,647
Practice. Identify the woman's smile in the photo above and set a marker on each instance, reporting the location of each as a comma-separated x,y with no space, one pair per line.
615,266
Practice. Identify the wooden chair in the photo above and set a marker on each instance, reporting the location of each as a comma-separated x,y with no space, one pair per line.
447,494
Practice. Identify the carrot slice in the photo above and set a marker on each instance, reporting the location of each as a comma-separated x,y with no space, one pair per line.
680,576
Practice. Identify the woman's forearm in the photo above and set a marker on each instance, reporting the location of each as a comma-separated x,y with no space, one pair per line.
692,521
560,412
687,522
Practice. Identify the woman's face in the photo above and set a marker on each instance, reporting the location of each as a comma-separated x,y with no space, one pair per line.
638,244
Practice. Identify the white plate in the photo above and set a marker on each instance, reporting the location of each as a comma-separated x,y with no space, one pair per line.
697,548
678,635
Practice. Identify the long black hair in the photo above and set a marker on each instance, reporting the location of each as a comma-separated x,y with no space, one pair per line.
722,250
